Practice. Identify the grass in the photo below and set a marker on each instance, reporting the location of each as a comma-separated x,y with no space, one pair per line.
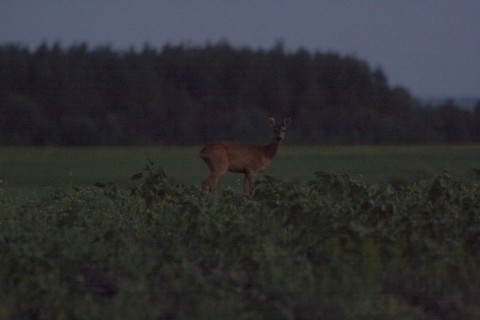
34,169
380,164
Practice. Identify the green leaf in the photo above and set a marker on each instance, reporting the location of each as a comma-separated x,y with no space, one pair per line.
137,176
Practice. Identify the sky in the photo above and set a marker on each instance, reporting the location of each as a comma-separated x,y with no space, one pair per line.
430,47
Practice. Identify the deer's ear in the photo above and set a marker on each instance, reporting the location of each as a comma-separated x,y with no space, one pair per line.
271,121
287,121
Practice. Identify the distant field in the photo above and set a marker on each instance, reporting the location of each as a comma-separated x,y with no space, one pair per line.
34,169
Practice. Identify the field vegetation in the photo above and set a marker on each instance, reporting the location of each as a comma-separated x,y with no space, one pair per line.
37,169
329,246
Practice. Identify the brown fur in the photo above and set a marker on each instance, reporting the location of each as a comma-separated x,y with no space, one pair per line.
240,158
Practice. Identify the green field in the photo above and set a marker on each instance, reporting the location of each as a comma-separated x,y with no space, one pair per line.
36,169
302,246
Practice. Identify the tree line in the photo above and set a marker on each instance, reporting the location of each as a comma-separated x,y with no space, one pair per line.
183,94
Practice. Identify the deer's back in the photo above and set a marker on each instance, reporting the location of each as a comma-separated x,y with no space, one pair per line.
239,157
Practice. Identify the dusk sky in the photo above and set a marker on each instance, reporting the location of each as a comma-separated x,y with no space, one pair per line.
431,47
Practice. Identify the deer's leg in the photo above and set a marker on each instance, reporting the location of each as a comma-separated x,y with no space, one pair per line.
249,182
210,183
217,168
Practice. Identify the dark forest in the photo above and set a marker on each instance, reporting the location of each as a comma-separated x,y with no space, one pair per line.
182,94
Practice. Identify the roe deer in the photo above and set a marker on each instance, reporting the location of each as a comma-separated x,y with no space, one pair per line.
241,158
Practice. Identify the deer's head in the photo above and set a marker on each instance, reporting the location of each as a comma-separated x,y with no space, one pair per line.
279,129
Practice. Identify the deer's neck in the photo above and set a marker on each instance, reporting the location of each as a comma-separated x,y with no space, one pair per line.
271,149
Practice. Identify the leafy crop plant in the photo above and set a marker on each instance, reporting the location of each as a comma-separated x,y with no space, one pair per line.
331,248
